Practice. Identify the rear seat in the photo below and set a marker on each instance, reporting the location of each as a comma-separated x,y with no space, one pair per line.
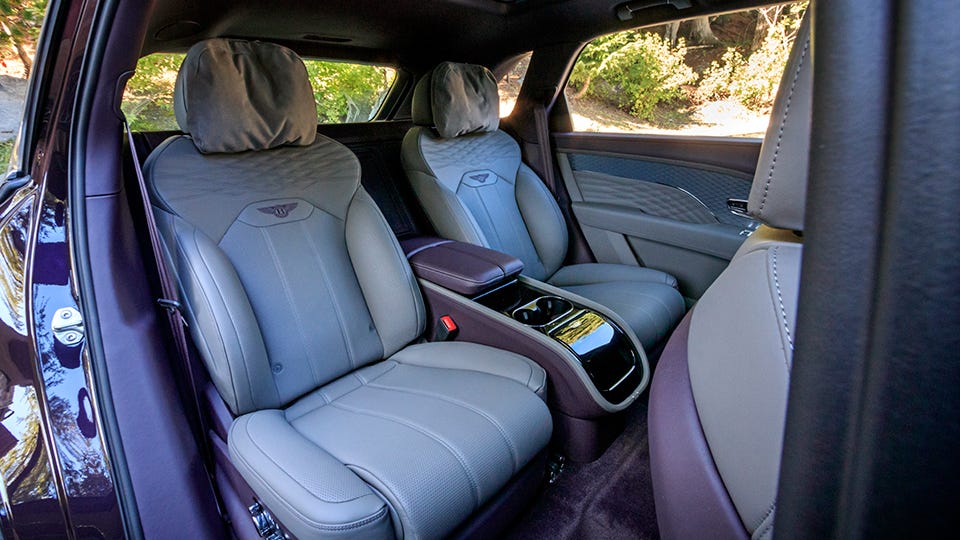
304,309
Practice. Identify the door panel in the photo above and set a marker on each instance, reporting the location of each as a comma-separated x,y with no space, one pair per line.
660,201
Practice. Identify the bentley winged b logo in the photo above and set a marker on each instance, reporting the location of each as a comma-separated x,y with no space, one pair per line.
482,177
279,210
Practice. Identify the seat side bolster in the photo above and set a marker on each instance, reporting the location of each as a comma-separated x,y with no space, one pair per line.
445,210
542,217
221,319
386,280
740,373
311,493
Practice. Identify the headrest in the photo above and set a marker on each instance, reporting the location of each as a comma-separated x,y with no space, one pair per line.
778,195
233,96
457,99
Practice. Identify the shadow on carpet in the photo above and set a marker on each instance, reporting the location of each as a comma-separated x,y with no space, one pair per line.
611,498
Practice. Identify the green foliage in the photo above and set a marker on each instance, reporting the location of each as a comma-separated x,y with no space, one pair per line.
148,99
753,80
21,19
344,92
634,70
348,92
6,148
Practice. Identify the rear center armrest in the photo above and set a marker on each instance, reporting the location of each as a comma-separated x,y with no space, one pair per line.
463,268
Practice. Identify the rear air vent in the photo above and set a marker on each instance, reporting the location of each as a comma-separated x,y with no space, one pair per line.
326,39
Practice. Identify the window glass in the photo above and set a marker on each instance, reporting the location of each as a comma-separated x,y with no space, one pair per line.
348,92
509,85
707,76
20,28
344,92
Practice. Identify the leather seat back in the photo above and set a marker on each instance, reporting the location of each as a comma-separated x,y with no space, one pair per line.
728,364
469,176
291,275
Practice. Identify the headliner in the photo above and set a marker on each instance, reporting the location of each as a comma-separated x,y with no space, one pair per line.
405,32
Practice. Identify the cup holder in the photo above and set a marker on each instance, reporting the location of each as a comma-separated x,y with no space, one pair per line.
542,311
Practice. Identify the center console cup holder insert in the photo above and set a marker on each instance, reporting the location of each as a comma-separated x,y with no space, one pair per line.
542,311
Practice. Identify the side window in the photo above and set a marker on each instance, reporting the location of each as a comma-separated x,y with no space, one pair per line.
509,85
20,23
347,92
344,92
713,76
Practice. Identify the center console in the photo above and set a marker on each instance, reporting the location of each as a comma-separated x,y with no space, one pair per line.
601,347
595,365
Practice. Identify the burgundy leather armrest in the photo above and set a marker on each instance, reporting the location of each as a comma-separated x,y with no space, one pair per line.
463,268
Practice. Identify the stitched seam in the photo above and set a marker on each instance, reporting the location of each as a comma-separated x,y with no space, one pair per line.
423,431
219,331
770,510
783,121
289,294
783,311
253,470
514,455
325,279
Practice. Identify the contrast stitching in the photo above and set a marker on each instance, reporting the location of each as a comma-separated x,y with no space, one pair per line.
776,283
423,431
760,533
783,121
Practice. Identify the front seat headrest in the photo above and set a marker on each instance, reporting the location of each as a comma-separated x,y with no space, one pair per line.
233,96
778,195
457,99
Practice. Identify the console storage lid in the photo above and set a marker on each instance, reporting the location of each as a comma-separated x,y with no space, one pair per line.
463,268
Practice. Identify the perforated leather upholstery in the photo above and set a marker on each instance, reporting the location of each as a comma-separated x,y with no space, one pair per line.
475,188
296,292
733,367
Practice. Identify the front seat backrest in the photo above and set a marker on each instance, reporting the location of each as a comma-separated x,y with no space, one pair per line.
719,397
291,275
469,175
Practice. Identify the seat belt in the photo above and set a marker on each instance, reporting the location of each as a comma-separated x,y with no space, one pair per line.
170,302
542,123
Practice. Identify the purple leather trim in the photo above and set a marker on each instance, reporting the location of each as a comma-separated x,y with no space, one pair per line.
463,268
691,499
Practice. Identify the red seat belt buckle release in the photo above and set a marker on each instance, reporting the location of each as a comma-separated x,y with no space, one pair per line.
446,329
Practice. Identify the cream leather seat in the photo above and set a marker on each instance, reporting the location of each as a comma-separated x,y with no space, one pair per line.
470,179
719,396
304,311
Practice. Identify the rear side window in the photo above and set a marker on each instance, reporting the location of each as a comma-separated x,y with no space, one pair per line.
344,92
509,85
713,75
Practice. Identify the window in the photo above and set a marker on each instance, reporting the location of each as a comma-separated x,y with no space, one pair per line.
707,76
344,92
509,85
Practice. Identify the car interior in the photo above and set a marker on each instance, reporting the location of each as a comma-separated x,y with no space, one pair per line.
435,319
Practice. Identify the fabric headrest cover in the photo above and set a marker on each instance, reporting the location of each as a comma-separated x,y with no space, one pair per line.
457,99
233,96
778,195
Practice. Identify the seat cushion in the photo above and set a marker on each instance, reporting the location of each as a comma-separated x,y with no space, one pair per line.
425,437
647,299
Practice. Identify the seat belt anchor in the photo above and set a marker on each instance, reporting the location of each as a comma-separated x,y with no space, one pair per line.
169,305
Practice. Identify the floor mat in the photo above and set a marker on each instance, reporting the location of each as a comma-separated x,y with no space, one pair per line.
611,498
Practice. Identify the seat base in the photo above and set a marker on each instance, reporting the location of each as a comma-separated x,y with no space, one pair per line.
420,441
646,299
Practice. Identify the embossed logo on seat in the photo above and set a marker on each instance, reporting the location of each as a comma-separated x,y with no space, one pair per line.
279,210
482,178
